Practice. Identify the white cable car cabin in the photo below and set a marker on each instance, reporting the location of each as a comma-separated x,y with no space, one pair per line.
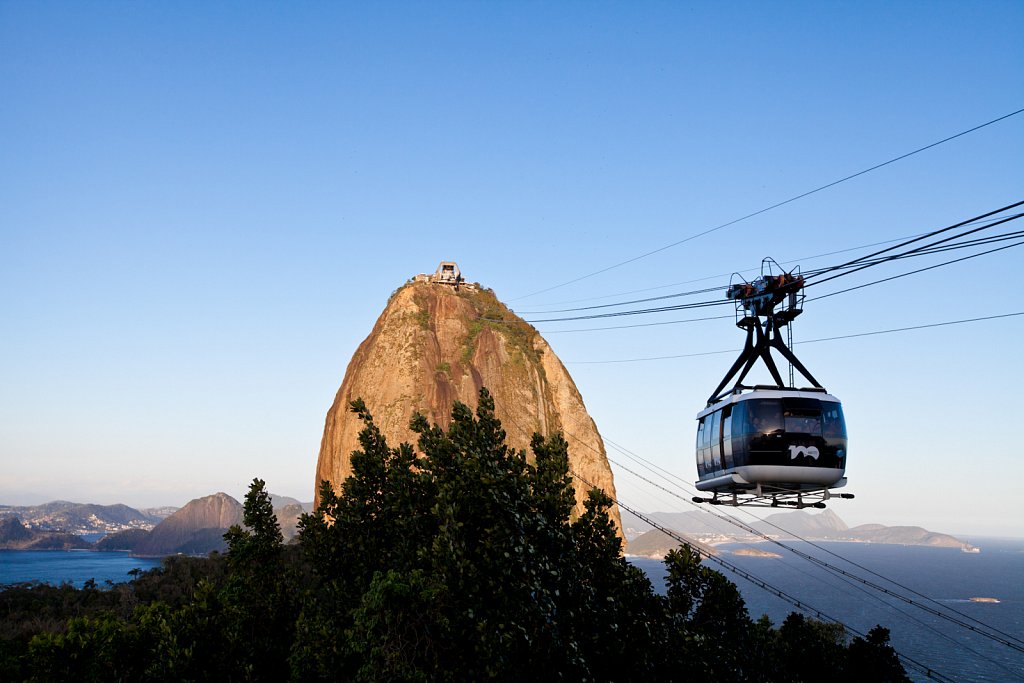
770,445
772,438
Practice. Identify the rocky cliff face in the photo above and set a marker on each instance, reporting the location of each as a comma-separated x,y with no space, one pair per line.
433,345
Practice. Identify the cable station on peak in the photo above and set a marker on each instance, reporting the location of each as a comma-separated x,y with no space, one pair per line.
447,273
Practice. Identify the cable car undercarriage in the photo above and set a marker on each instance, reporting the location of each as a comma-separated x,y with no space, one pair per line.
765,496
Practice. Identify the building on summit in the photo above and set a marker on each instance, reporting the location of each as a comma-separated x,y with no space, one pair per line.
447,273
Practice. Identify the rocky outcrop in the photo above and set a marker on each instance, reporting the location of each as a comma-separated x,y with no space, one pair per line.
434,345
16,536
655,544
130,539
195,529
14,533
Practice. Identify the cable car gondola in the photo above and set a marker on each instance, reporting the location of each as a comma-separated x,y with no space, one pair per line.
770,445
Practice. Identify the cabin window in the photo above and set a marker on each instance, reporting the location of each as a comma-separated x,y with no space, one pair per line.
802,415
716,445
727,437
739,419
700,448
803,422
833,424
764,416
705,451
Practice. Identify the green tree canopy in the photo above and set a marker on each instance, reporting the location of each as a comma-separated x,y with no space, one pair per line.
456,560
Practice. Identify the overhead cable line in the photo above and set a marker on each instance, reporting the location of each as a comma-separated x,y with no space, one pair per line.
801,605
853,581
642,311
870,260
914,272
760,583
986,630
806,341
769,208
934,247
961,224
938,247
999,638
801,259
624,327
724,516
624,303
928,249
931,250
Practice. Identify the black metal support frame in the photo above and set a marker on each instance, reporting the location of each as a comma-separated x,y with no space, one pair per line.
764,336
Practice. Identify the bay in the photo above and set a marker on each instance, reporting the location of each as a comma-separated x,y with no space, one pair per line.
70,566
946,575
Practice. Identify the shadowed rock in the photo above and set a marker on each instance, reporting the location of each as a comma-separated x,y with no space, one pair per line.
195,529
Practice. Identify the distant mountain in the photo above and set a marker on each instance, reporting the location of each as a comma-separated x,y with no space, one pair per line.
821,526
903,535
196,529
825,524
160,512
16,536
79,518
199,527
288,519
284,501
828,526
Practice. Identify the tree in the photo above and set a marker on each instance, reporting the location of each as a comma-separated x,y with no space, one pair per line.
481,542
873,659
259,595
709,619
457,560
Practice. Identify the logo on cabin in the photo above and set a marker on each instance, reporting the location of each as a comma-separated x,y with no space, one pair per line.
809,451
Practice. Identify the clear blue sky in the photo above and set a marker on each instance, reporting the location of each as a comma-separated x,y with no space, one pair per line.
204,207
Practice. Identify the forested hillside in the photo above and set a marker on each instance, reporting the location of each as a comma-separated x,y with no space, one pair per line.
456,561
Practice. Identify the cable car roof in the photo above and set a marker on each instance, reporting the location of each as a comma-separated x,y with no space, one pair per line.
769,392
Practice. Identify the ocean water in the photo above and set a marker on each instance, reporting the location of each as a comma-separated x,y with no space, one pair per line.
70,566
946,575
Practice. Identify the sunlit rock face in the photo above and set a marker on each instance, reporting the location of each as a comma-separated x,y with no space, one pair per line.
435,344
